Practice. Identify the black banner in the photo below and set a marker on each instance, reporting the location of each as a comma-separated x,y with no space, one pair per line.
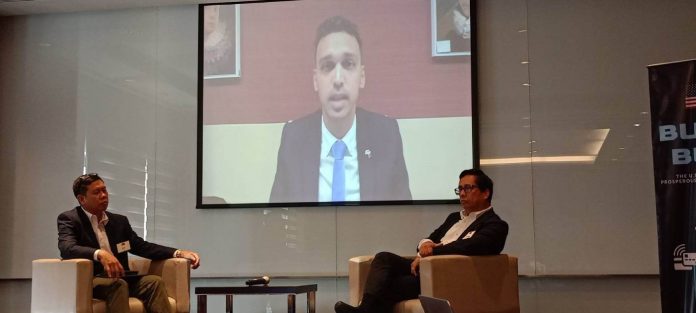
673,108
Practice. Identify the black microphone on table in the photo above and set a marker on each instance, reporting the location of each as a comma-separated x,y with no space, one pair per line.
258,281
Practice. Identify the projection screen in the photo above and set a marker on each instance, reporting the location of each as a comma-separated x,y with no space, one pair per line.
328,102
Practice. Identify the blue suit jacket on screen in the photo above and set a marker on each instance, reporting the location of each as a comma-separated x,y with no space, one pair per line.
381,165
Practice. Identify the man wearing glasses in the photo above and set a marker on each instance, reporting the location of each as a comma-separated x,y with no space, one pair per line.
475,230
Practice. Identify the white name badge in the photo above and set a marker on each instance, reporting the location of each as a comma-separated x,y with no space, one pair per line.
123,246
469,234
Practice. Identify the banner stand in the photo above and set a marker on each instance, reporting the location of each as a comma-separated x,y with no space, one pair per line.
673,116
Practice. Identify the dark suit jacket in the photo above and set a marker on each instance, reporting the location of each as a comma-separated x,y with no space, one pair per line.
382,171
76,239
489,237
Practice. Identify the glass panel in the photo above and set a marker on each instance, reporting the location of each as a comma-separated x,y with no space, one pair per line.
116,87
590,105
504,121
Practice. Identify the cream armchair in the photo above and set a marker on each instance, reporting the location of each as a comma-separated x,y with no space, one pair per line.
62,286
471,283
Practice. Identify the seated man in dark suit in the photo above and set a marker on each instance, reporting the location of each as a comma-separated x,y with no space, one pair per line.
89,232
340,152
475,230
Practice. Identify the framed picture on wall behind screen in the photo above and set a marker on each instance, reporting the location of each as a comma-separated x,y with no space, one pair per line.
451,27
220,40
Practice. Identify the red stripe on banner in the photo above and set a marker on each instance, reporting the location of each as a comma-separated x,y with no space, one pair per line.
690,102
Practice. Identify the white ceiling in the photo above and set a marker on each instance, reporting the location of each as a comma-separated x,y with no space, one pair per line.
25,7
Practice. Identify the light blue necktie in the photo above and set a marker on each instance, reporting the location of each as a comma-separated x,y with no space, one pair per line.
338,187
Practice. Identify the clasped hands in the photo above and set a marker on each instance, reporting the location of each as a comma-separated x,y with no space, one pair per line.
426,249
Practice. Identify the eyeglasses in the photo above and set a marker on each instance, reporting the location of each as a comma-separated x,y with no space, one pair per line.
466,189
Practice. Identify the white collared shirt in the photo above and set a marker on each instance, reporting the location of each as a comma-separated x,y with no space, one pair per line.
350,162
458,228
99,231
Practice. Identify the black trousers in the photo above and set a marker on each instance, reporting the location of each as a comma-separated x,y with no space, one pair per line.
390,280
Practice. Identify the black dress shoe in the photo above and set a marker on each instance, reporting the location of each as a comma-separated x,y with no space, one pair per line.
342,307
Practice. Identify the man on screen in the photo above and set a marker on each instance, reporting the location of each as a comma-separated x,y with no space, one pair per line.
89,232
475,230
341,152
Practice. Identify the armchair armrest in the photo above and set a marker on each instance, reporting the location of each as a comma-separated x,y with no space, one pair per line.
472,283
358,267
61,285
175,273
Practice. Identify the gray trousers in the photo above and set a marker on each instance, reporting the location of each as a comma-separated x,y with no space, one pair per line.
149,289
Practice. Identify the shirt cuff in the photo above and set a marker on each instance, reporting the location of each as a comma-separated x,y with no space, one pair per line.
176,253
422,242
96,255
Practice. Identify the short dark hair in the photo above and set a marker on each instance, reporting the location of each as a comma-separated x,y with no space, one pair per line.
79,186
482,181
337,24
